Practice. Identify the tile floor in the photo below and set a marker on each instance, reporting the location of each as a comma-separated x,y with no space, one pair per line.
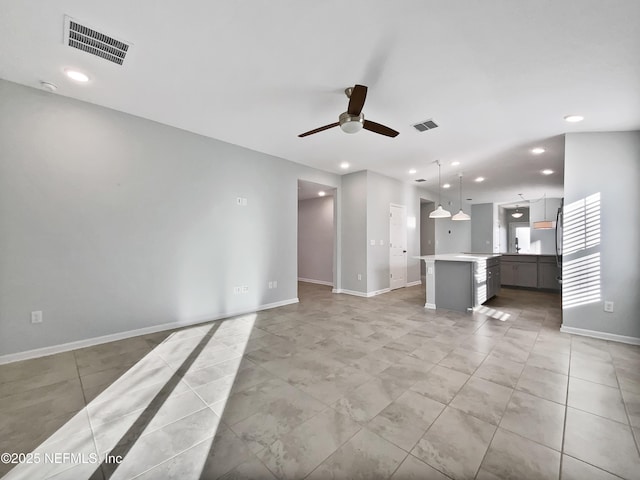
334,387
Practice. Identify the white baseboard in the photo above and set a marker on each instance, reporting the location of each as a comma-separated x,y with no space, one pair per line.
601,335
432,306
90,342
349,292
319,282
378,292
361,294
413,284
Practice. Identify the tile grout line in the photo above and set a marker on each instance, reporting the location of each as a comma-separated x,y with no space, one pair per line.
624,403
513,390
566,410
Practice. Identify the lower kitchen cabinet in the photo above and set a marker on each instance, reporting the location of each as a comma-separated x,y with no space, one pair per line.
532,271
519,271
548,273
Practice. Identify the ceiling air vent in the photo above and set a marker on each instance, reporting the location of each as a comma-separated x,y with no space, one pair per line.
91,41
421,180
426,125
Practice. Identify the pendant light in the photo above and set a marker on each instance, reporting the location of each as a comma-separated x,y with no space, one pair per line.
461,215
544,224
439,212
517,213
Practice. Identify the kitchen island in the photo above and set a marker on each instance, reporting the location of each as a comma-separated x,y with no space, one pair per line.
458,281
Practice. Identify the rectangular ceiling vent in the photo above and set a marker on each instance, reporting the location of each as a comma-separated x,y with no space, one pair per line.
91,41
426,125
421,180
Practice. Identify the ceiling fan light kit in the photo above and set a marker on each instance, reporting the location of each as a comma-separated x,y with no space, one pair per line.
352,121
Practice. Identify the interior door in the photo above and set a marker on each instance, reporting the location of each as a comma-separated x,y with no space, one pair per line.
397,246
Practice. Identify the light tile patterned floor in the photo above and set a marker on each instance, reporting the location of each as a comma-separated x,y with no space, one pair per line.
335,387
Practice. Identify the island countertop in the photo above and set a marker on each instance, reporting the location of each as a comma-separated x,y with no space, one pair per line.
459,257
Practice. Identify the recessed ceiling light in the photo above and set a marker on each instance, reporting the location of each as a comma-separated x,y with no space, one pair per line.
412,171
446,185
546,171
574,118
322,193
537,150
77,76
344,165
480,179
455,164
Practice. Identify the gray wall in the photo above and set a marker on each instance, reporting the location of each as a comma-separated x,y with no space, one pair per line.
482,226
315,239
608,163
110,223
353,218
453,237
382,192
427,233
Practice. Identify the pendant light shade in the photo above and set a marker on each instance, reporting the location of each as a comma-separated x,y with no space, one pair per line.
460,216
517,213
439,212
544,224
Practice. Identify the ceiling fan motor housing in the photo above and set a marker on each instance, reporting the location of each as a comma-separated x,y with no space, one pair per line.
351,123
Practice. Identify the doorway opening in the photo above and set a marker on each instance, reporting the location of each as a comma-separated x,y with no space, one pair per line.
316,233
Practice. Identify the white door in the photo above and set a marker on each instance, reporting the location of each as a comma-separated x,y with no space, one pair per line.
398,246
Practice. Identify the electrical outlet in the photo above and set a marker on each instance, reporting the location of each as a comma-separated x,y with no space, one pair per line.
372,243
245,289
359,276
608,307
270,284
241,201
236,290
36,317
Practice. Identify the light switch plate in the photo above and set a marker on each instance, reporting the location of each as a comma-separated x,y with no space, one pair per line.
36,317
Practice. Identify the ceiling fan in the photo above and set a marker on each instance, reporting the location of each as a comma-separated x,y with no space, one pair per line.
352,121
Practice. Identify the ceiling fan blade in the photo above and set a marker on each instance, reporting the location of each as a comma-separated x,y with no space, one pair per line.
356,100
326,127
381,129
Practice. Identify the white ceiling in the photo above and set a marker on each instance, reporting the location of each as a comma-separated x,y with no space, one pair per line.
498,76
308,190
